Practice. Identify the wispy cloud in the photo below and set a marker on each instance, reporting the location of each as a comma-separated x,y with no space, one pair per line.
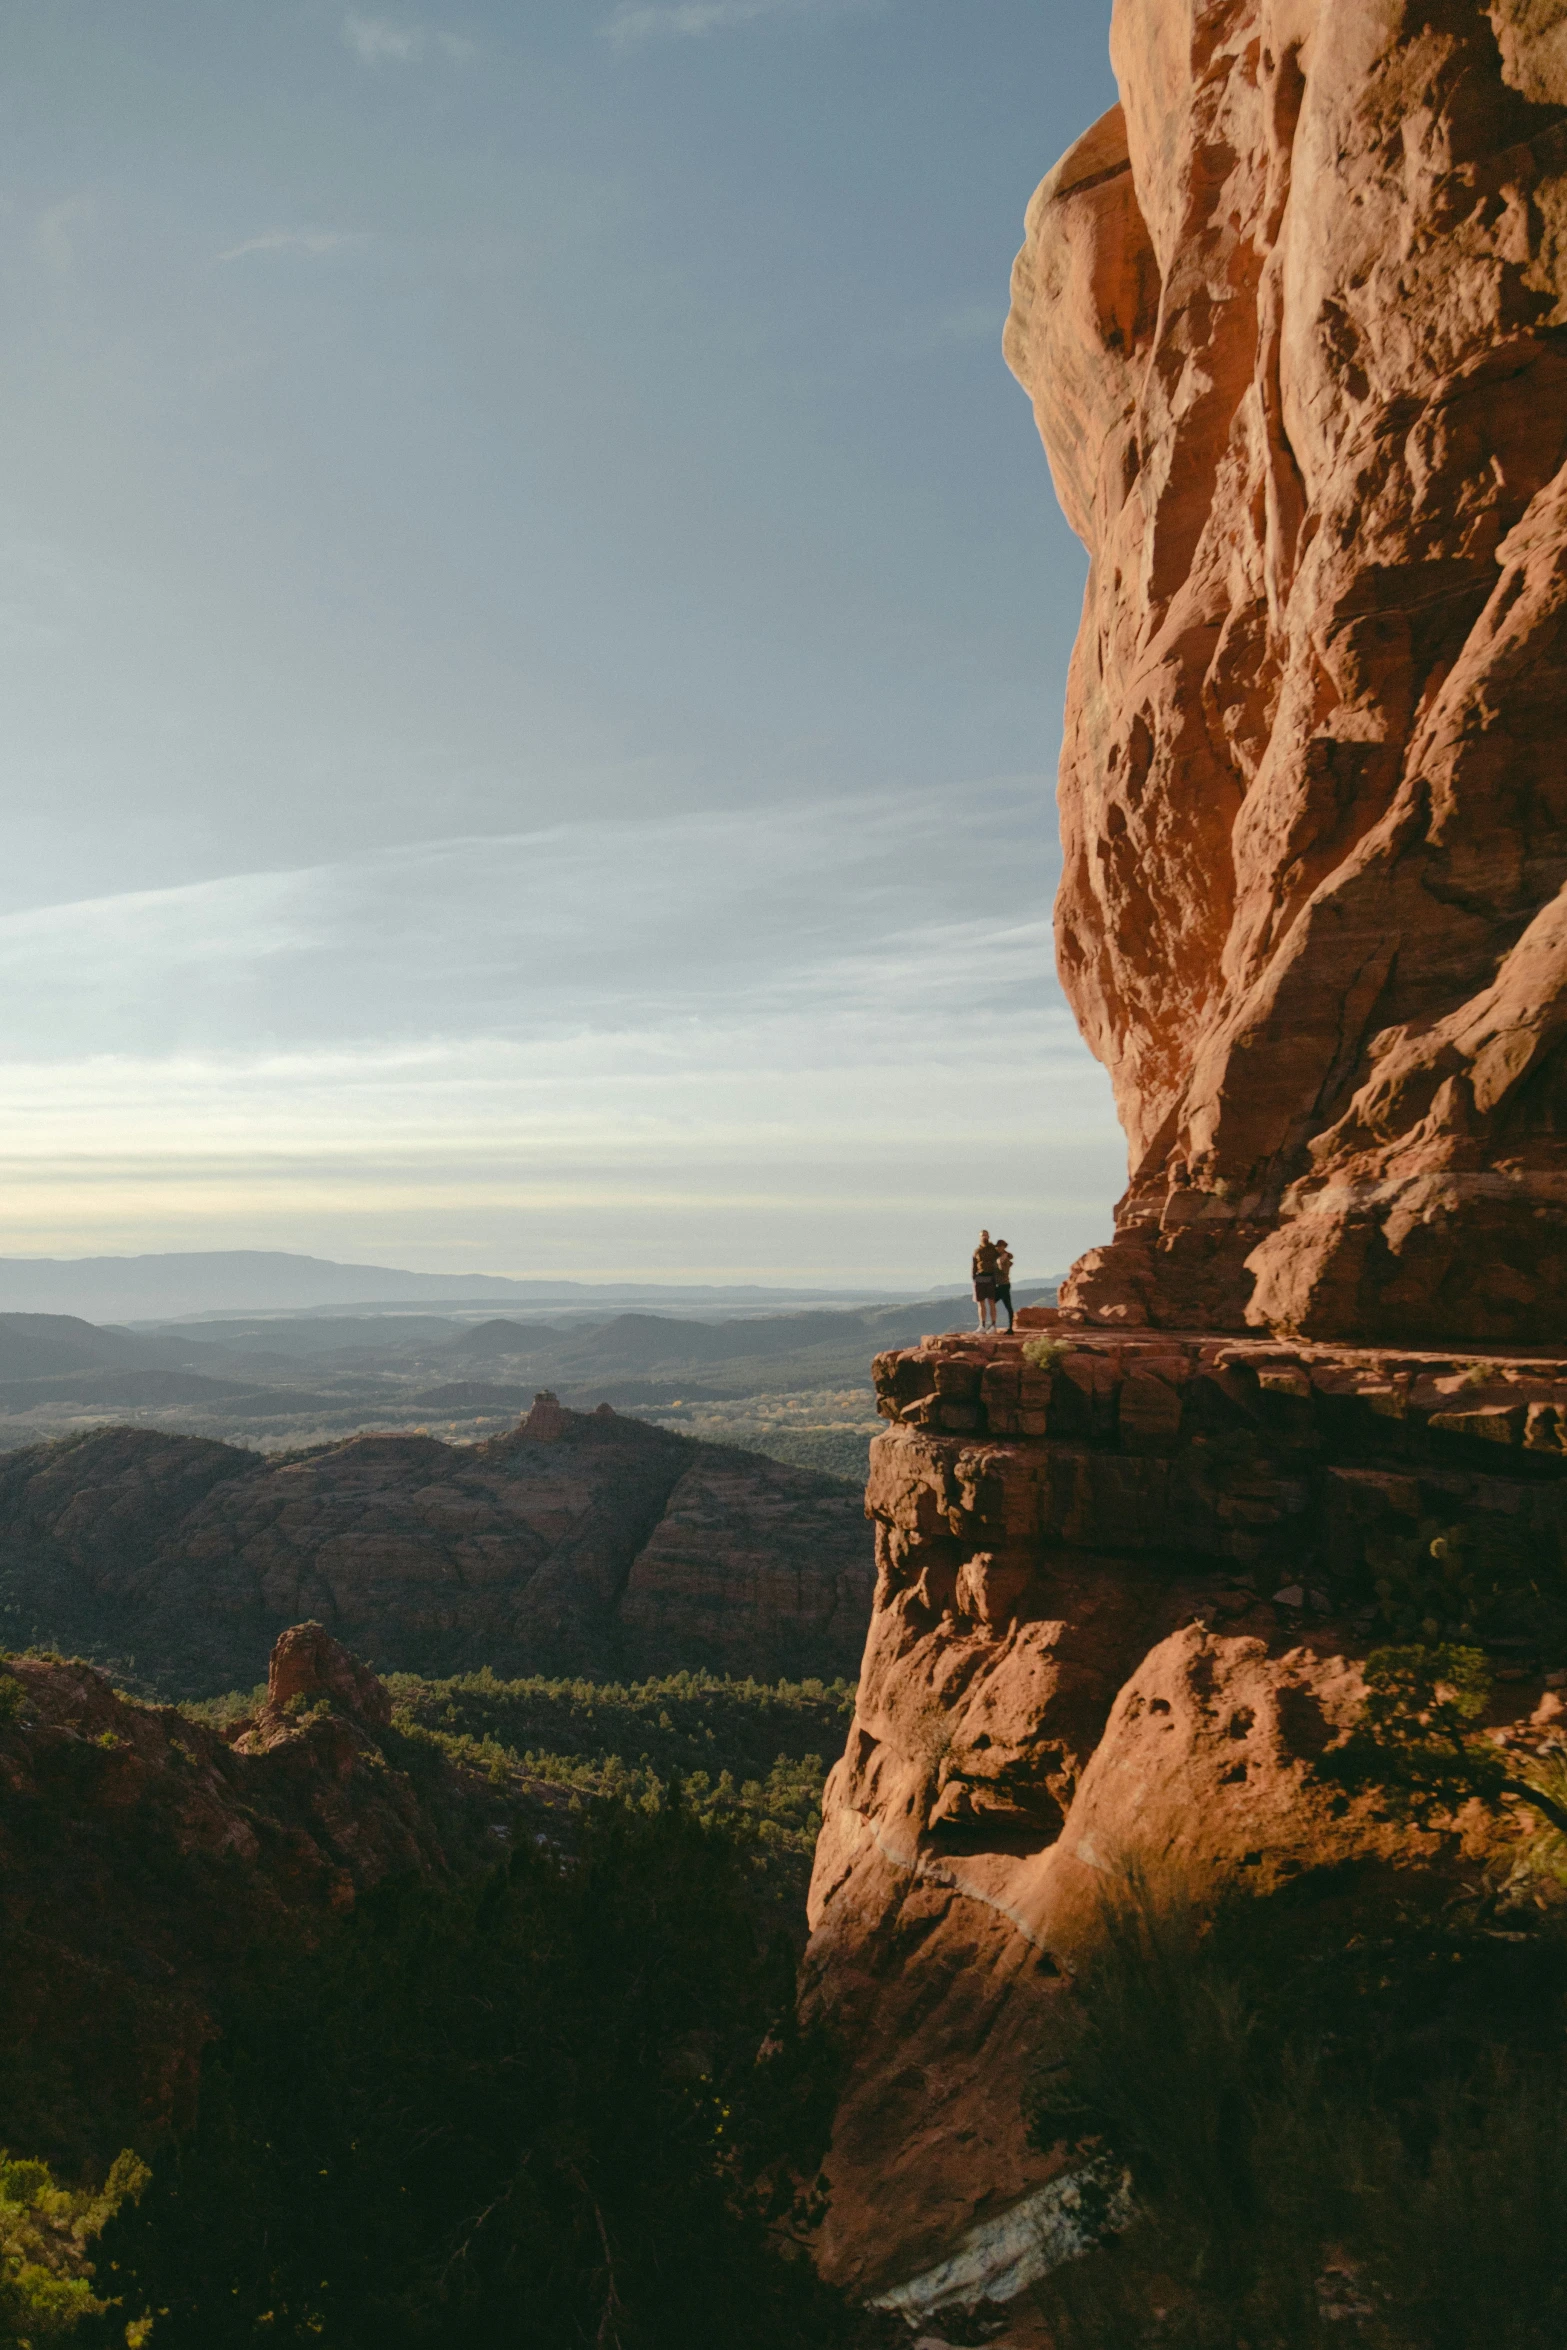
636,22
57,230
885,907
975,322
802,1037
311,241
380,42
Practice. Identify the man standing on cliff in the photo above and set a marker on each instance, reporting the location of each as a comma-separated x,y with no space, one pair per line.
985,1281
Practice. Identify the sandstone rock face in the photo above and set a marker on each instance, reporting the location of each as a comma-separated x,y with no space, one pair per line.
143,1857
308,1664
1292,316
1123,1594
582,1542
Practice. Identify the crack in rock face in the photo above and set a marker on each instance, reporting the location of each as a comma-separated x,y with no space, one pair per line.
1291,316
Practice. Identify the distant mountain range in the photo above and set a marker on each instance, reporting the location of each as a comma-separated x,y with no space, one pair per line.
260,1281
286,1379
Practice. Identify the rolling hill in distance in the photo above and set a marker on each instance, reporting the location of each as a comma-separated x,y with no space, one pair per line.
573,1543
227,1281
794,1385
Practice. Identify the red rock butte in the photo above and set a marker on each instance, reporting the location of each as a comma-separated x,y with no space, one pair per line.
1292,317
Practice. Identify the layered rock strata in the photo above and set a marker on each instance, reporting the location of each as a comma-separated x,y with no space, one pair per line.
1124,1584
580,1542
1293,316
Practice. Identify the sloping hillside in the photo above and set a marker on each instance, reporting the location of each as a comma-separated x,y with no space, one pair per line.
142,1855
773,1382
576,1543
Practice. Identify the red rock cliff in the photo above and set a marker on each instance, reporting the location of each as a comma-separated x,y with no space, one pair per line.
582,1541
1294,319
1125,1588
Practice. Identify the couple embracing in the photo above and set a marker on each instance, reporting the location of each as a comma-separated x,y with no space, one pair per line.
993,1262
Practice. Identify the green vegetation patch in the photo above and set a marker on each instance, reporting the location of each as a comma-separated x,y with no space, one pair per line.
832,1452
47,2231
1481,1580
221,1713
750,1754
1416,1746
684,1723
1317,2121
563,2103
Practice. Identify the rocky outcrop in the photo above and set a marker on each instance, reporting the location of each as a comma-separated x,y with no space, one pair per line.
308,1665
1294,320
580,1542
144,1858
1292,316
1124,1589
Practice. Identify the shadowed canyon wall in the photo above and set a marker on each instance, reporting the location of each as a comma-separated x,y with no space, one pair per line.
579,1542
144,1857
1294,320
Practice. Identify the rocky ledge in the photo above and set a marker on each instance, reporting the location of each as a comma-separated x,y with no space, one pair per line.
1150,1395
1125,1586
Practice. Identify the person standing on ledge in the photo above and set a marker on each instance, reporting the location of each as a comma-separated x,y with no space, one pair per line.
1005,1261
985,1281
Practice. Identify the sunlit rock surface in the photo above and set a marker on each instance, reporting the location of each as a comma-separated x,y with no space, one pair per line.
1123,1598
1292,319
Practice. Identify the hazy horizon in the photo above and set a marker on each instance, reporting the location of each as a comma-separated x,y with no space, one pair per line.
236,1285
534,621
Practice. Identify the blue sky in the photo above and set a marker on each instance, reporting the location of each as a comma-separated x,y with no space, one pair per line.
533,621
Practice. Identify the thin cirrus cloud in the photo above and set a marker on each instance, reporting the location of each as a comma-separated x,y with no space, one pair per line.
890,911
379,42
313,242
791,1037
638,22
